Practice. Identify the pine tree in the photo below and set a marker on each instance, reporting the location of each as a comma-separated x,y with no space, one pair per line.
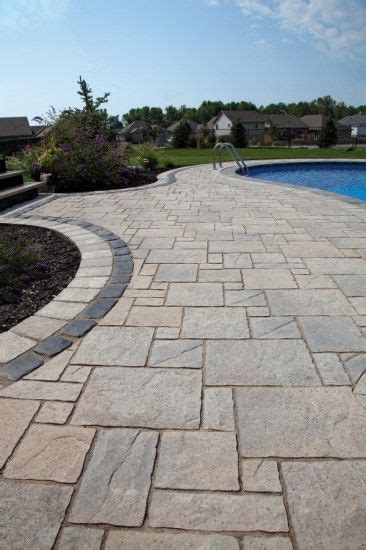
238,135
86,94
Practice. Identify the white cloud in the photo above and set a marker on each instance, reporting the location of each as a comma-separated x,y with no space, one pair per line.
20,14
260,42
337,27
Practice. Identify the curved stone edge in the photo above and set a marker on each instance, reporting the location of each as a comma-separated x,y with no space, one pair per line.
231,172
75,327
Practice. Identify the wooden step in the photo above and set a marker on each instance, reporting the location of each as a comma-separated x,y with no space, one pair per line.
18,194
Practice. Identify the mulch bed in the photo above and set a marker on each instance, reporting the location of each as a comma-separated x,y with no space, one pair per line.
62,258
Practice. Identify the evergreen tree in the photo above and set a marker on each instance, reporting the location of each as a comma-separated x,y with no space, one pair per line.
238,135
328,135
181,136
85,92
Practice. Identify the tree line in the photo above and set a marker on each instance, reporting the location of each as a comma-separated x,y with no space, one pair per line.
209,109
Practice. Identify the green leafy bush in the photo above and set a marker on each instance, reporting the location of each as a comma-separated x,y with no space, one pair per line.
26,161
169,163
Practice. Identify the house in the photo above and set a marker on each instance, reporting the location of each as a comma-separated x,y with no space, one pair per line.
136,132
14,128
210,125
162,135
194,126
356,123
253,122
15,134
284,127
316,123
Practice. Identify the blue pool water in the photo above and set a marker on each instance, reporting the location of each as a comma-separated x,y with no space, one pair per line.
345,178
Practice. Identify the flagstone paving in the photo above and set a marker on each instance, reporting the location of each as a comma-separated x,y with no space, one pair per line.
220,403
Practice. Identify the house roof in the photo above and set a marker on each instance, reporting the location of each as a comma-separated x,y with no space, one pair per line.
191,123
135,126
287,121
211,123
39,129
244,116
317,122
314,122
13,127
353,120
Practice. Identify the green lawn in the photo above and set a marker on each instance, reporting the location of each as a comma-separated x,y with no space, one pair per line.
185,157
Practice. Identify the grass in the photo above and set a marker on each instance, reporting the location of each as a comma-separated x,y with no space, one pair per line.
187,157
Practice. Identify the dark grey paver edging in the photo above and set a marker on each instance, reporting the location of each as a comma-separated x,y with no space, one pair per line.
96,309
232,172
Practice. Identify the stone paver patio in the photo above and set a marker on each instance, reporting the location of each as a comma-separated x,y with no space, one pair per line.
220,403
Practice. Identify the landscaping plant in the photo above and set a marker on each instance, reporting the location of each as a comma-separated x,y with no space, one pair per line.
328,135
146,156
80,152
238,136
181,136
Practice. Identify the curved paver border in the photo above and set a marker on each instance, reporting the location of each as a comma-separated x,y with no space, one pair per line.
232,172
95,308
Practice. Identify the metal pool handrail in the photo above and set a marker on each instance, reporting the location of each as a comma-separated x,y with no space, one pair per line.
234,155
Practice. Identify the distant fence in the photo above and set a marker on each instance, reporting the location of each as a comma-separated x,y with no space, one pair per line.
10,146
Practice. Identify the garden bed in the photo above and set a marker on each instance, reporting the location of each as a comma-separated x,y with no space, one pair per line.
35,265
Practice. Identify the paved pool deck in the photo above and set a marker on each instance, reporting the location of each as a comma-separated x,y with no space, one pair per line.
220,404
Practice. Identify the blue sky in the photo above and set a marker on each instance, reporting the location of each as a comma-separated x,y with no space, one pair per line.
160,52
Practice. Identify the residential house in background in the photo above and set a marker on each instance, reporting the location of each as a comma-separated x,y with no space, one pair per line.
136,132
253,122
162,135
316,123
284,127
15,133
194,126
356,124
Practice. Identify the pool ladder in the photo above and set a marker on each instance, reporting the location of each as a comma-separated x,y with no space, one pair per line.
234,155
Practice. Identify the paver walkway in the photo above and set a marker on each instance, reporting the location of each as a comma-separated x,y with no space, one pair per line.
221,403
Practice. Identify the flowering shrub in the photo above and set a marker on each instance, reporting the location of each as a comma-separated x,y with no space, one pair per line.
21,262
80,151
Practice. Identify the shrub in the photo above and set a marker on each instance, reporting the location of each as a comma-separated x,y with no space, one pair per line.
169,163
89,164
146,156
238,135
181,136
328,136
81,154
223,139
26,161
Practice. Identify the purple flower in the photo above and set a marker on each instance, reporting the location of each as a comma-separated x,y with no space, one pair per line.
64,147
100,139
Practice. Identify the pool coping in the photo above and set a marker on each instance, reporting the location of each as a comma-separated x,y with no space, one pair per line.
232,172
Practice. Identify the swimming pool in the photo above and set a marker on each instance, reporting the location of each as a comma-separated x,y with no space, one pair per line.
345,178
